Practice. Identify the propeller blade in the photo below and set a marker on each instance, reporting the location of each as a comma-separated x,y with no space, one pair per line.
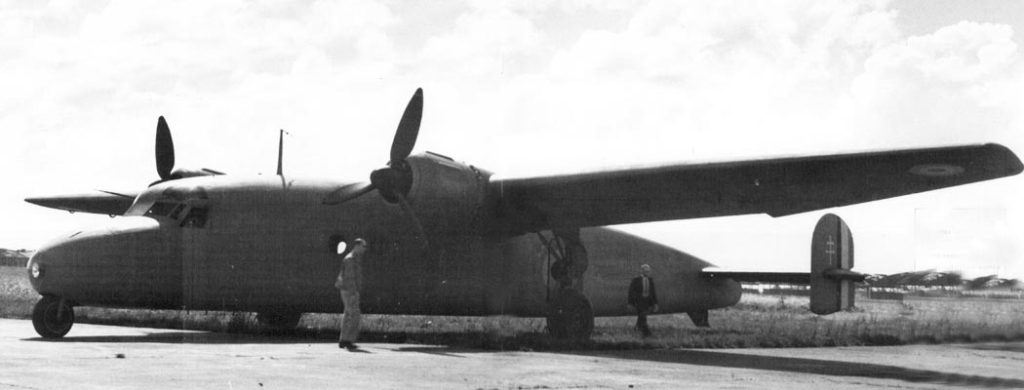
415,220
164,149
408,129
347,193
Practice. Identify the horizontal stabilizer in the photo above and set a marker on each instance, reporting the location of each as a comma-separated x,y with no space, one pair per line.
802,278
831,280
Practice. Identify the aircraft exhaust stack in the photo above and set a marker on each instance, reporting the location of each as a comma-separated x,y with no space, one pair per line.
832,281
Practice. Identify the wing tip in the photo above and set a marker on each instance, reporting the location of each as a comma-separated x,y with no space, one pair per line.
48,202
1012,162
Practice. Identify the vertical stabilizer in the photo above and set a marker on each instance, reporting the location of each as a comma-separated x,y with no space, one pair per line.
832,282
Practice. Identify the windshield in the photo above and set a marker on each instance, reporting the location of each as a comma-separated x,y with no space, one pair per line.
164,209
187,207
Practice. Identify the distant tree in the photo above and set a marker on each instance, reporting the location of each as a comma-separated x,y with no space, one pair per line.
935,279
980,282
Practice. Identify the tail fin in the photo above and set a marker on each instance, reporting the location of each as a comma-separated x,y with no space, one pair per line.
832,282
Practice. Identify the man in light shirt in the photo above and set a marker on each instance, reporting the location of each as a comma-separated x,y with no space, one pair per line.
350,280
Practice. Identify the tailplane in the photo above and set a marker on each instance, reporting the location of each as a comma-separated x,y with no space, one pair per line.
831,279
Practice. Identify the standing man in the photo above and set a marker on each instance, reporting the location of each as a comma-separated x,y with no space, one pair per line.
643,298
350,280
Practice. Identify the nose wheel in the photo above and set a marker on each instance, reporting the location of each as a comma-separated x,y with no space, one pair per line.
52,317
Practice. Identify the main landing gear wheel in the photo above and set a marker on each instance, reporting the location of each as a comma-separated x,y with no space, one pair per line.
570,316
279,321
52,317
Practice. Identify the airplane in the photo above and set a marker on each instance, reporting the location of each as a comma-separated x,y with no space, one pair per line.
450,238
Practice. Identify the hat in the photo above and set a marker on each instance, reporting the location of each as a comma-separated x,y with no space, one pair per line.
359,241
645,267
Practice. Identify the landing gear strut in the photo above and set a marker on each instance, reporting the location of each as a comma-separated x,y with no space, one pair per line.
570,315
52,317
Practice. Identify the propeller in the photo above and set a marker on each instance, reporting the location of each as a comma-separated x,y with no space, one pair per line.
394,181
164,149
165,157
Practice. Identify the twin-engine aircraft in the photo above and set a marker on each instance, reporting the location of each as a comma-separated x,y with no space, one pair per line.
448,238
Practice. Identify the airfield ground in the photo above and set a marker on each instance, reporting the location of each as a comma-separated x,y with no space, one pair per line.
173,349
111,357
757,321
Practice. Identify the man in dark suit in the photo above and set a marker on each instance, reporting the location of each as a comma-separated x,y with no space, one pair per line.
643,298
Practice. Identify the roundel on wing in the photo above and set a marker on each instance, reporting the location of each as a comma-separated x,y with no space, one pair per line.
936,170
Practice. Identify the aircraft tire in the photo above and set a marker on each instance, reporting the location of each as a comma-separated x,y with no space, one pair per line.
570,316
278,321
52,317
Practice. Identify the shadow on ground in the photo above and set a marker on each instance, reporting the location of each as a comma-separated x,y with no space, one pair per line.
188,337
809,366
685,356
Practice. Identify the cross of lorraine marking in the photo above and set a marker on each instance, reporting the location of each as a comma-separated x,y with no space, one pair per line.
830,249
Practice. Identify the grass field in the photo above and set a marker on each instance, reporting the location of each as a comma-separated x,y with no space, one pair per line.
757,321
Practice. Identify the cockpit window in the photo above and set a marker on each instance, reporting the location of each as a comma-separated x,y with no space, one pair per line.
196,218
177,211
161,208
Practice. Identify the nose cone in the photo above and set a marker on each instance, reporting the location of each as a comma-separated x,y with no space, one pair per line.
98,265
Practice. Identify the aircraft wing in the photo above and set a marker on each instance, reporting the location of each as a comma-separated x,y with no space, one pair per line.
103,202
777,187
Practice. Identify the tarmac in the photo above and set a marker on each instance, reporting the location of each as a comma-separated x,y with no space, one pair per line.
112,357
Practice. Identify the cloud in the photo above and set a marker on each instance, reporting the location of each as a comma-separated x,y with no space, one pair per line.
949,85
483,42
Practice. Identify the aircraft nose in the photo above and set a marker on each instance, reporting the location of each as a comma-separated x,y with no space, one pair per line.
47,264
93,263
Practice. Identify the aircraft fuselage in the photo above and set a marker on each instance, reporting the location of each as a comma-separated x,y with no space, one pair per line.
268,244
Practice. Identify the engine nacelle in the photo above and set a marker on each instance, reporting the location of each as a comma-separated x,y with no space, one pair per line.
447,195
181,173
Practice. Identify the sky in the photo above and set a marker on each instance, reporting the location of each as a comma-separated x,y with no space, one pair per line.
523,88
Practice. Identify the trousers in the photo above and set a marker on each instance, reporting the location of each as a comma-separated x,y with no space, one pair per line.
641,323
350,320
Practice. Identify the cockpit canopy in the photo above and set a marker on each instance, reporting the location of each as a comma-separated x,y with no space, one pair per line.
185,207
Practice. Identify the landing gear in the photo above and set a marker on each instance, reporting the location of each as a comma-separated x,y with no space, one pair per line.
279,321
570,316
52,317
